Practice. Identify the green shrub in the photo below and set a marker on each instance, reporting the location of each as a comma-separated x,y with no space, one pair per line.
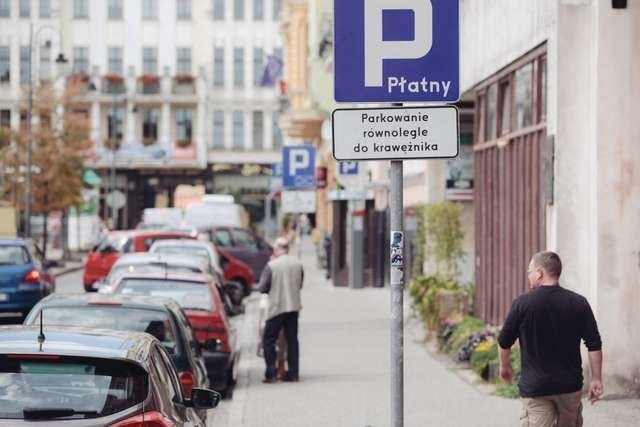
465,329
484,355
510,391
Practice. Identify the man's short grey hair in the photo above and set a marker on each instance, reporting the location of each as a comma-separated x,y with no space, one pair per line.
549,262
282,243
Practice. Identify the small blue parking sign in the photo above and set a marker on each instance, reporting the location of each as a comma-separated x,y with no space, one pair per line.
396,50
299,166
348,168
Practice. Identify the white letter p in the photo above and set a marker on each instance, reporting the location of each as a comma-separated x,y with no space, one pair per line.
376,49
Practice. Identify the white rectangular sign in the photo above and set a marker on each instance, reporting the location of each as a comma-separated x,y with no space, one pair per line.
299,201
395,133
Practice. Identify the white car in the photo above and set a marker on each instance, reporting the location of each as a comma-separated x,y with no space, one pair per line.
145,262
190,248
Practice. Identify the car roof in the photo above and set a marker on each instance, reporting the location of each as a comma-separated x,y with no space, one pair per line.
120,300
77,341
181,277
148,257
182,242
150,233
12,241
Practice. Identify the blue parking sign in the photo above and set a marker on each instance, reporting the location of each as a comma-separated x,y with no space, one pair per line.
396,50
299,166
348,168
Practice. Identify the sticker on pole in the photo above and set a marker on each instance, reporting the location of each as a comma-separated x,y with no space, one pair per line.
397,249
395,133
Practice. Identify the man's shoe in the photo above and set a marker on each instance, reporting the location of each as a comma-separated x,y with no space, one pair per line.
291,379
269,380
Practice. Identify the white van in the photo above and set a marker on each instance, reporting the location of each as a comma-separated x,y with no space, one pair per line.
204,216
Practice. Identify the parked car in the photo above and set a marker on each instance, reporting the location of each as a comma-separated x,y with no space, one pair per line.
236,270
114,245
145,262
198,295
233,269
243,244
24,277
91,377
161,317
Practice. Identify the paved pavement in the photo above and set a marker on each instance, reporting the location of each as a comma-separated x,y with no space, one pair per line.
344,338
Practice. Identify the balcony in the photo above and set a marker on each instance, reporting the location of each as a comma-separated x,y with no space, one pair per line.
184,84
113,84
149,84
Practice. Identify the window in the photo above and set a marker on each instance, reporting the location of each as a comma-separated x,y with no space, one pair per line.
276,132
492,101
258,130
150,119
184,9
258,65
149,10
25,64
238,67
481,116
258,10
505,108
80,59
218,129
218,10
45,62
183,65
25,8
45,8
524,96
150,60
184,124
115,60
114,9
218,67
238,10
238,130
223,238
5,118
244,240
277,52
115,120
542,88
5,8
80,9
164,374
277,6
5,64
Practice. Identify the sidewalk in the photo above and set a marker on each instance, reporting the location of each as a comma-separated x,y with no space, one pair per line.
76,263
344,377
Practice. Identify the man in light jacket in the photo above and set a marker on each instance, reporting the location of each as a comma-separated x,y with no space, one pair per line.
282,280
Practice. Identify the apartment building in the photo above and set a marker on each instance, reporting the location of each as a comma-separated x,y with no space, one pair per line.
175,86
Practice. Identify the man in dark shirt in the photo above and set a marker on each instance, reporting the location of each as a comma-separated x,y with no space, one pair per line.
549,321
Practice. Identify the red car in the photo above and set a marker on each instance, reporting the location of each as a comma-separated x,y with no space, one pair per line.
114,244
198,296
236,270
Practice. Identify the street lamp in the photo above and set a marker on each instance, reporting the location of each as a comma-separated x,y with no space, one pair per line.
60,59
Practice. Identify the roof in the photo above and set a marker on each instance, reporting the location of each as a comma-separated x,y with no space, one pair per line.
148,257
144,233
184,242
181,277
122,300
77,341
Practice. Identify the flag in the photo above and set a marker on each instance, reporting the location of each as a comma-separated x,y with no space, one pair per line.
272,71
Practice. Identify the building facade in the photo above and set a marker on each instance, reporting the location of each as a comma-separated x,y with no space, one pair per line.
176,86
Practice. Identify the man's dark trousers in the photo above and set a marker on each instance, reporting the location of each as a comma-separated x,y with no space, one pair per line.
288,321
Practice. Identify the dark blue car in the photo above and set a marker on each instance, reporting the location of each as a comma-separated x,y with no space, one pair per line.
24,277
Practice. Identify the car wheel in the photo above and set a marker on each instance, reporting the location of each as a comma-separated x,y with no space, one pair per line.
245,285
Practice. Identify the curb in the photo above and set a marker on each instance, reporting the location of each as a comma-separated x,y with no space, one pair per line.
68,270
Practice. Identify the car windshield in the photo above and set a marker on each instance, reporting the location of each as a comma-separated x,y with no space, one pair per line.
190,295
184,250
118,270
112,244
13,255
154,322
68,387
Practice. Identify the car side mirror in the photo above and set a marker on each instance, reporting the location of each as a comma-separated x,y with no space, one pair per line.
202,398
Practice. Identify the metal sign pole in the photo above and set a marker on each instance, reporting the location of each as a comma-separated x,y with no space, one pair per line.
397,287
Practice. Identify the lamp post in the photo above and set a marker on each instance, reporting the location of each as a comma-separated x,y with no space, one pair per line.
60,59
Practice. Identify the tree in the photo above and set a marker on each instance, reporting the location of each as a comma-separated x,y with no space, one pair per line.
59,147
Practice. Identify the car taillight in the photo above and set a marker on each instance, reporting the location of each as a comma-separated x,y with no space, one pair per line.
32,277
148,419
219,331
188,381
